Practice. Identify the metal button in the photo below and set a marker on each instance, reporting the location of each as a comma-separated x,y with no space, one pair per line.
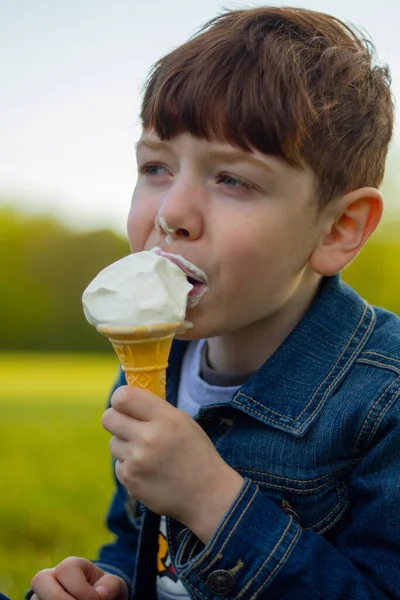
289,510
221,582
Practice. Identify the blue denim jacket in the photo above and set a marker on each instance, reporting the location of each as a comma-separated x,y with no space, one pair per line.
316,435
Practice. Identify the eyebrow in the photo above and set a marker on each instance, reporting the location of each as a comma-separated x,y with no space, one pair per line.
152,144
236,156
229,156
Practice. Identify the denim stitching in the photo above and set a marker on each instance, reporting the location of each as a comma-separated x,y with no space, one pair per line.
372,320
337,505
260,404
209,550
248,584
182,552
250,581
322,383
382,355
329,374
261,414
335,520
169,536
192,552
216,558
288,549
187,535
293,479
291,489
369,361
368,417
332,511
384,409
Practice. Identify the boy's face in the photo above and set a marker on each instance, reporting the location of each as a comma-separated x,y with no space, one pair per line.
250,221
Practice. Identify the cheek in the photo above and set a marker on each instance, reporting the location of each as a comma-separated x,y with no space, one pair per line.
242,270
140,221
262,258
133,231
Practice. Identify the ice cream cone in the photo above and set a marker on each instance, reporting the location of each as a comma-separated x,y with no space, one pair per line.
143,352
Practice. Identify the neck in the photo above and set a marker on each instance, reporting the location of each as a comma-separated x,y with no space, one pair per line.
245,350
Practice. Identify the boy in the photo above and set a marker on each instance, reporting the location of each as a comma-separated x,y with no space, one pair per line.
263,147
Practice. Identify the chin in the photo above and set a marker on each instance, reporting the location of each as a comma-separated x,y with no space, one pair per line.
202,329
189,334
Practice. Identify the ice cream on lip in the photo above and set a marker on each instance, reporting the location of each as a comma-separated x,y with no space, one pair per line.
196,276
144,288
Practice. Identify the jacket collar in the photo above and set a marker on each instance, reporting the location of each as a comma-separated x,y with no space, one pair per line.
291,387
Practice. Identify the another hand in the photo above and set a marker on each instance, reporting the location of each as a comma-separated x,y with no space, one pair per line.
168,462
78,579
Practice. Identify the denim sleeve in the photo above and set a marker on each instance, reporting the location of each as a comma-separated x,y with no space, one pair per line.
118,557
260,552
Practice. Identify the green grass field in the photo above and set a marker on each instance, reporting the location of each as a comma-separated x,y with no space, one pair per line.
55,475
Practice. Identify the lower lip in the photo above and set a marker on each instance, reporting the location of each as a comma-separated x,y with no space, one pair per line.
196,293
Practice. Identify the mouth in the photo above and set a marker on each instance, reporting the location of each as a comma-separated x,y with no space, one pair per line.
195,276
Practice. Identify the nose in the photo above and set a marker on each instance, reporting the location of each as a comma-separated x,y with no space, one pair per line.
181,210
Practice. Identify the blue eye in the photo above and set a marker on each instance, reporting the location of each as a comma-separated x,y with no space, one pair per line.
153,169
234,181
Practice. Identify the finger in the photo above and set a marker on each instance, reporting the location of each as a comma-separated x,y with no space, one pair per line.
111,586
140,404
120,475
119,449
46,587
119,424
77,576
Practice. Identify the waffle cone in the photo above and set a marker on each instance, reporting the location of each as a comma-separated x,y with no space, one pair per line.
143,353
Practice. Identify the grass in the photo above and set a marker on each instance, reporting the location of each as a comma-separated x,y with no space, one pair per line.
55,476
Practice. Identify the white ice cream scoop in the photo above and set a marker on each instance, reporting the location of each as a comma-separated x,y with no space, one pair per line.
140,289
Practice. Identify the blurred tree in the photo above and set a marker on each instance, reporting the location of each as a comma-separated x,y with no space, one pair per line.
44,269
376,270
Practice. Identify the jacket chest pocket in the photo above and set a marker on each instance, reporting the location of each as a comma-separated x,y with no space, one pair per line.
314,504
308,485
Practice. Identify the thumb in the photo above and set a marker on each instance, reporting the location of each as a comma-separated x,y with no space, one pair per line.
111,587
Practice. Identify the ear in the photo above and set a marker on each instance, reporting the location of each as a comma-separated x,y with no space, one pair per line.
348,222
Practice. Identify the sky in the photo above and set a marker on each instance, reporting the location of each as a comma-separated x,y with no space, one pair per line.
71,74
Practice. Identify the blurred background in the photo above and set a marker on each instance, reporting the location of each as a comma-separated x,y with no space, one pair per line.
71,75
